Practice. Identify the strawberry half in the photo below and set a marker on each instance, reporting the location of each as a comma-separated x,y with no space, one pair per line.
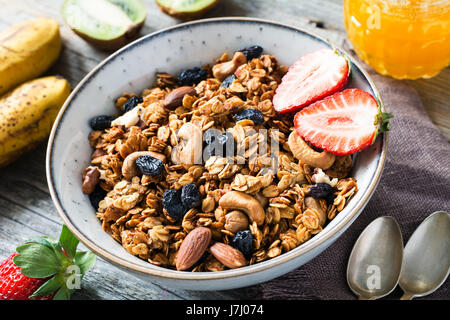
343,123
311,78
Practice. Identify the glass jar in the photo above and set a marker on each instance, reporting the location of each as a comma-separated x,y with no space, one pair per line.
406,39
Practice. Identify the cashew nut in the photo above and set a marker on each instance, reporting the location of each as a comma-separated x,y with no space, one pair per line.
313,203
302,151
223,70
129,118
321,177
129,168
91,176
241,201
188,151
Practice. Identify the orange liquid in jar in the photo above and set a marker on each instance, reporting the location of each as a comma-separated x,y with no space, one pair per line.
406,39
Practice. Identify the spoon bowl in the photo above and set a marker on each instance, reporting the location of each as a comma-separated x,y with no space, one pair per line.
426,261
374,266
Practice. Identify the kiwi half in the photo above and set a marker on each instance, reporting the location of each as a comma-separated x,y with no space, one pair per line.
107,24
186,9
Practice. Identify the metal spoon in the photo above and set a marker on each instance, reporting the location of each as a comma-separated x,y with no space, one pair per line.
426,262
375,262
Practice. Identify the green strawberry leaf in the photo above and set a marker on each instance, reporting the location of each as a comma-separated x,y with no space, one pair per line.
62,294
69,242
48,287
37,260
42,257
85,261
46,241
383,121
53,244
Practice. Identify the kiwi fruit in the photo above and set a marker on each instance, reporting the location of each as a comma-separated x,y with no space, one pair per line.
186,9
106,24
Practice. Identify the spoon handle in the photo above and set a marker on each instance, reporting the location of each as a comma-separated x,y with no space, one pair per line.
407,296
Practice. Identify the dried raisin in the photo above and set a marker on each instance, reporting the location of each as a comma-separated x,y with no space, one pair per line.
98,195
173,205
252,114
101,122
228,81
191,77
190,196
132,102
321,190
252,52
149,165
243,241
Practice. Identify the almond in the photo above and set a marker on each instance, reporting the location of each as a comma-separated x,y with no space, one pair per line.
175,97
229,256
193,247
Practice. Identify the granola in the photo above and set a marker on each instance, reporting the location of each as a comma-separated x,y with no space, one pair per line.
257,164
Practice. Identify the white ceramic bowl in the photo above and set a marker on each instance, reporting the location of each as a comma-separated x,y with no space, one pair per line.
132,69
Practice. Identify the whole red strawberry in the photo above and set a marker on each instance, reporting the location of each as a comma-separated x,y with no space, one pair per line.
14,285
44,269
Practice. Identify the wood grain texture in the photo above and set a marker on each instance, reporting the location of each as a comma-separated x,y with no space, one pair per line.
25,206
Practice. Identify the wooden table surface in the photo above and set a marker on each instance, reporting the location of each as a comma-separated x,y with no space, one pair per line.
26,208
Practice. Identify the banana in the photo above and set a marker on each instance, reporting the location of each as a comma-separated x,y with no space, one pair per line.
27,50
27,114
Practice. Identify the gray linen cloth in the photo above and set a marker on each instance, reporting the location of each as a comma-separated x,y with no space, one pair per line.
415,183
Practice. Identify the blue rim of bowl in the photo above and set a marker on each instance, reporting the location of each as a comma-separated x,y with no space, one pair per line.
151,270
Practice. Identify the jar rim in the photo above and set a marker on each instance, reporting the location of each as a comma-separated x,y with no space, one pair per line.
415,4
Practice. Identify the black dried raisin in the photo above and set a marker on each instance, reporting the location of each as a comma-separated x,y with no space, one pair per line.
252,114
321,190
190,196
228,81
252,52
98,195
101,122
191,77
243,241
132,102
330,198
149,165
173,205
